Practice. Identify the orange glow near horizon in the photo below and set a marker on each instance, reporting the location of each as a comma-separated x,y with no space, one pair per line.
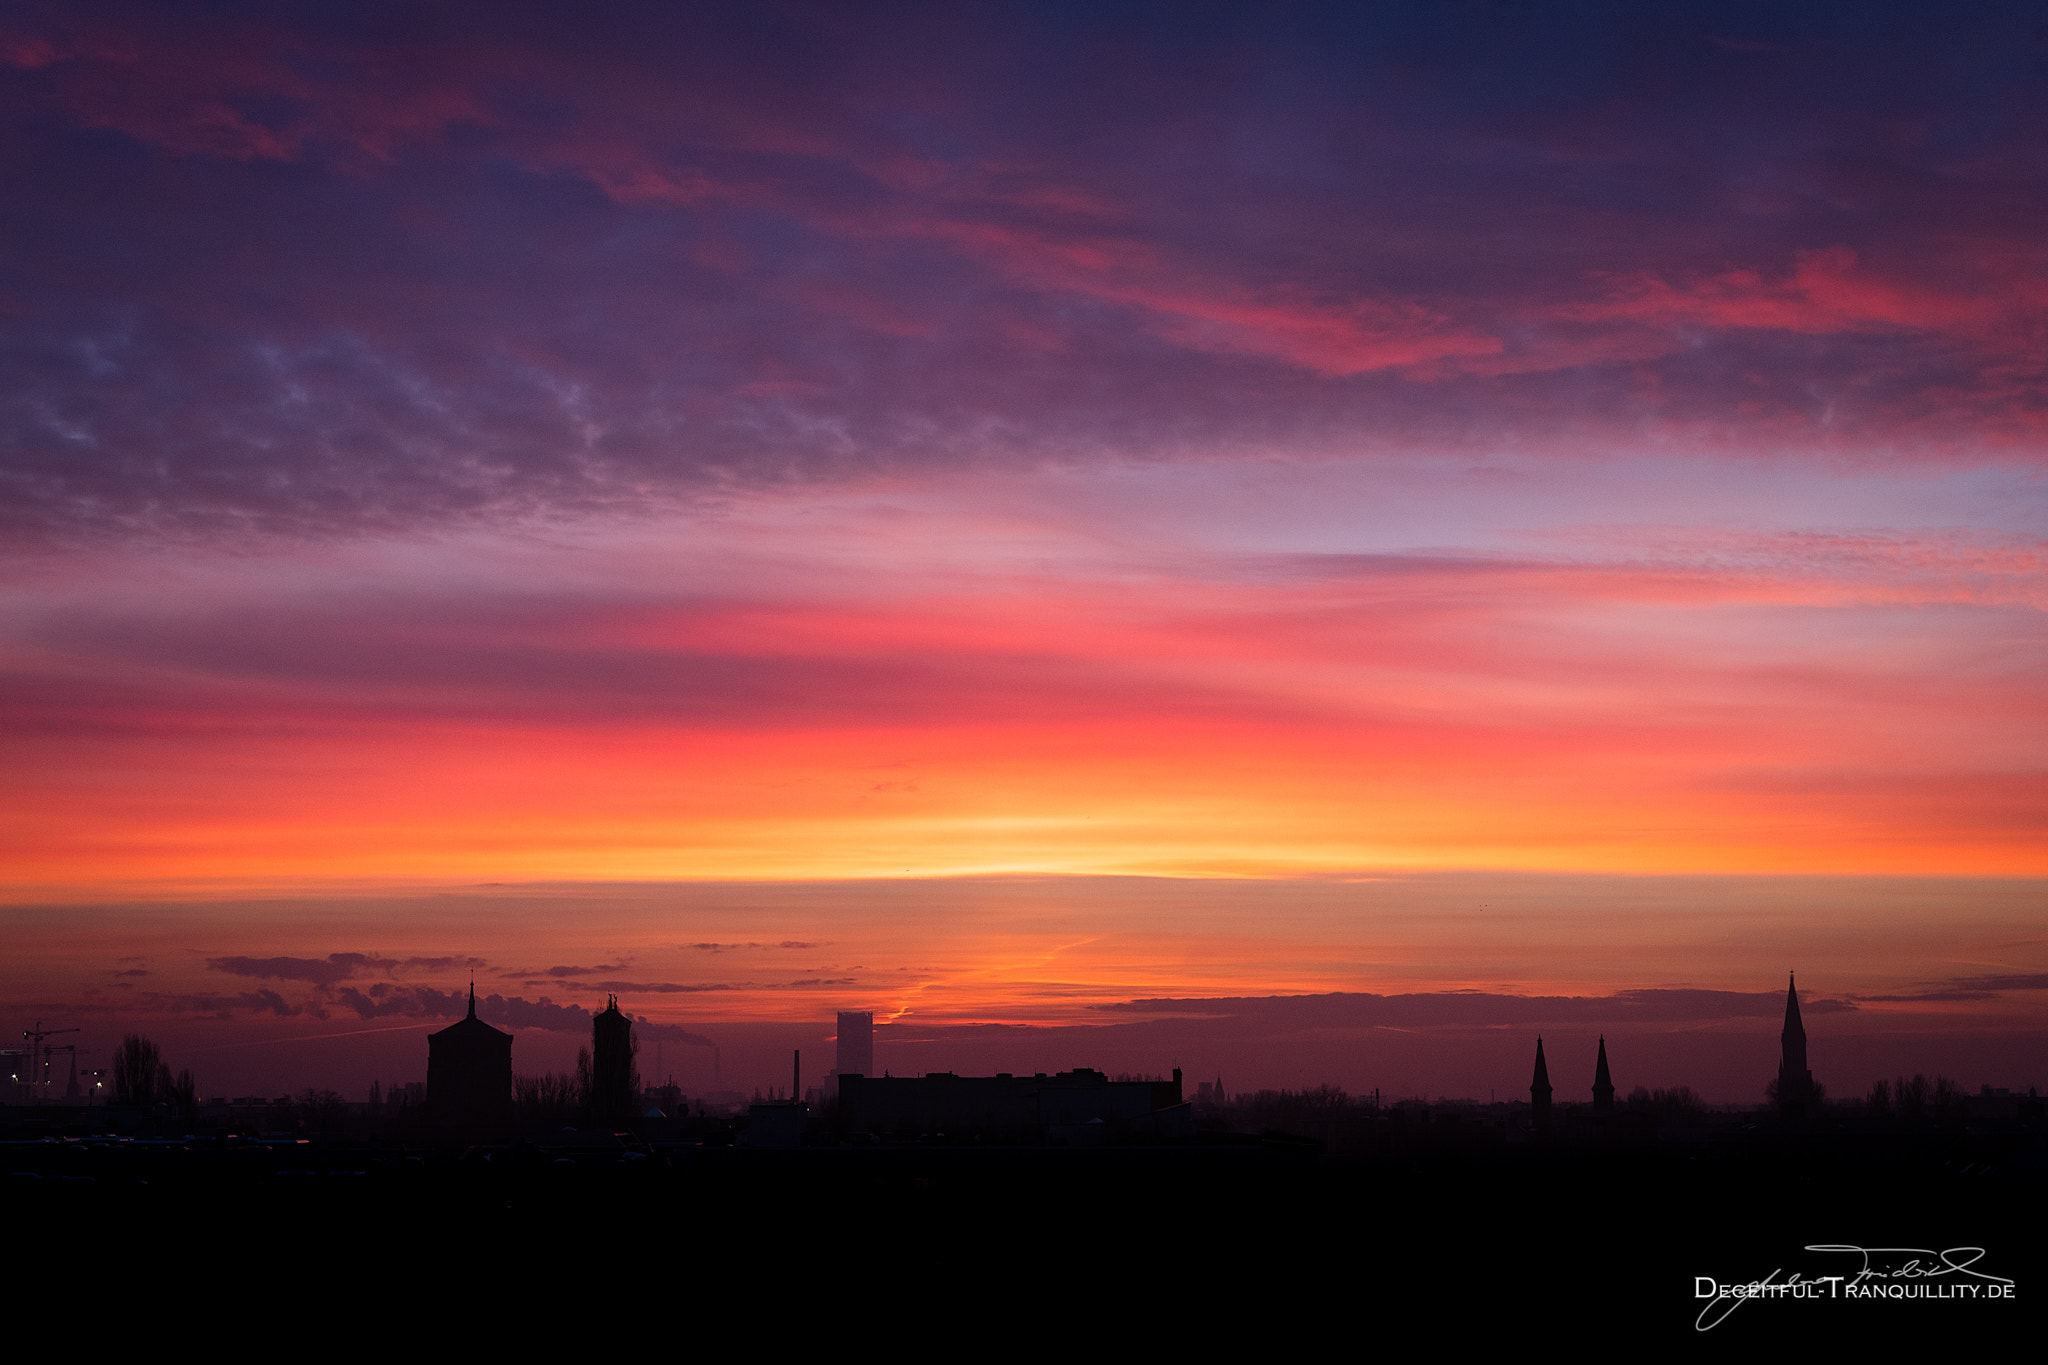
1172,799
868,718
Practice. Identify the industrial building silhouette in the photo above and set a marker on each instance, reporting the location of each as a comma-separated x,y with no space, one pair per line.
856,1042
1078,1107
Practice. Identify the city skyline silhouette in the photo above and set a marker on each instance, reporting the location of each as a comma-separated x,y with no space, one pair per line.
1391,611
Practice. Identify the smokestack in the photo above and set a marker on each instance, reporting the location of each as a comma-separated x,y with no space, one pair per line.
796,1074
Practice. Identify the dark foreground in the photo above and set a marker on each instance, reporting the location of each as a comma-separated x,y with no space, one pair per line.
946,1251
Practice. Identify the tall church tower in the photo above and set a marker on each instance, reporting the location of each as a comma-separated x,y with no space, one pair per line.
1539,1092
613,1081
1795,1080
1603,1084
469,1075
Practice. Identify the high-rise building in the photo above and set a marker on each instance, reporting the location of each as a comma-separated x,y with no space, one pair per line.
856,1043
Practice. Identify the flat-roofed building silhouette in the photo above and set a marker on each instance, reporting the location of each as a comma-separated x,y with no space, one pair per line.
1080,1106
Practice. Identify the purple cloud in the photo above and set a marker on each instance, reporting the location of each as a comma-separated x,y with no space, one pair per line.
280,270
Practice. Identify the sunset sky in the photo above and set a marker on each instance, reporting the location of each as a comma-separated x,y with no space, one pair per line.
1050,522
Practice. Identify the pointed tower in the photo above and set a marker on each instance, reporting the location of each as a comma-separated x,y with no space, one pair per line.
1539,1092
469,1075
1603,1084
1795,1080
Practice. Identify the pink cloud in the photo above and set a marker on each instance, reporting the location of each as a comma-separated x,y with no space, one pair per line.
1827,291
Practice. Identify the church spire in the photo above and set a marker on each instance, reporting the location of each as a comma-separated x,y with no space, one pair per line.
1795,1031
472,995
1795,1080
1539,1091
1603,1084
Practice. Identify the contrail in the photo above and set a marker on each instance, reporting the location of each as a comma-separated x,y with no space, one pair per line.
312,1037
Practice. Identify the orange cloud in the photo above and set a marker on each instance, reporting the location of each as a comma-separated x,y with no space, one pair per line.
1754,704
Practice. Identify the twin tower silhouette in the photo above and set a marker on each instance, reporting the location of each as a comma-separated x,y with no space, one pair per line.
1539,1087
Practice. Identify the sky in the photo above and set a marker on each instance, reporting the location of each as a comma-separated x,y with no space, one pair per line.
1009,515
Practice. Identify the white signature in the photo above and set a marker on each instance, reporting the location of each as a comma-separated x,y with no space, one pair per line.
1885,1272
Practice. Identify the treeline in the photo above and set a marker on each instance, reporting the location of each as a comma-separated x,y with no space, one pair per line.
1915,1099
1940,1100
565,1099
1277,1108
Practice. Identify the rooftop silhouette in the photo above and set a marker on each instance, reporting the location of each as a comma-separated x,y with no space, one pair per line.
469,1073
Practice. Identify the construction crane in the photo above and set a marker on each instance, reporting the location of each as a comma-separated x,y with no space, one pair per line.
38,1046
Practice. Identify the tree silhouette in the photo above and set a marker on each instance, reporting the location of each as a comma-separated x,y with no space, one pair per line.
138,1072
320,1110
180,1092
143,1081
553,1100
1677,1102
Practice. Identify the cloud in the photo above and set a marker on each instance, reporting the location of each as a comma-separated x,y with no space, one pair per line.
2018,981
227,1006
734,947
439,964
676,988
1965,988
1827,291
285,275
384,1000
663,987
669,1033
560,973
320,971
1481,1008
334,967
